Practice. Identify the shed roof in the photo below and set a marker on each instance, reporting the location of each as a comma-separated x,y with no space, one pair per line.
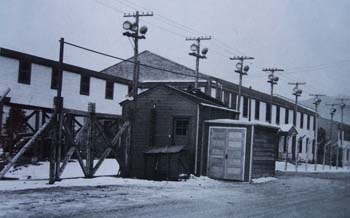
239,122
288,129
165,149
194,95
123,69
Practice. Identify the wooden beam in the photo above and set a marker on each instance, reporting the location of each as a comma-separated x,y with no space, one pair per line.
66,159
81,162
119,134
102,158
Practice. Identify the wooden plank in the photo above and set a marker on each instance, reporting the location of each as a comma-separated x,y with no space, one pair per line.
66,159
120,132
81,162
102,158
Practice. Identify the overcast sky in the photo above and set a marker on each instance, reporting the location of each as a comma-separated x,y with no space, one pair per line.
309,39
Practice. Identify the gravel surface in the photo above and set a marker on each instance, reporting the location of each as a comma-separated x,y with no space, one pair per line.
291,195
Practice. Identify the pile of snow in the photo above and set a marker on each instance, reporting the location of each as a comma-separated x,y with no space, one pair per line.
36,176
263,179
310,168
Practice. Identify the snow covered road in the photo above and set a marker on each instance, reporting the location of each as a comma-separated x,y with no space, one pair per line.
326,195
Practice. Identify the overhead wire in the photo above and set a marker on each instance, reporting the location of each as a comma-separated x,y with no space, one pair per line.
127,60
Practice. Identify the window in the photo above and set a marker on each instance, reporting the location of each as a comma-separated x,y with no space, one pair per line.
286,118
300,145
313,146
347,154
54,78
84,85
268,112
181,127
24,72
307,146
278,114
233,100
314,124
257,109
109,90
308,122
245,106
301,120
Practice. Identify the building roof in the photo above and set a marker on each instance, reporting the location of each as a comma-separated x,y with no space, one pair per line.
124,69
151,76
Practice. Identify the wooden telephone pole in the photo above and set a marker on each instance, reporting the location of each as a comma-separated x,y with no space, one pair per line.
242,71
332,112
196,49
317,102
55,157
297,92
272,79
136,33
342,107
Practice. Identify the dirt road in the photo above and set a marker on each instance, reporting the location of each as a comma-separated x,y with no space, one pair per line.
321,196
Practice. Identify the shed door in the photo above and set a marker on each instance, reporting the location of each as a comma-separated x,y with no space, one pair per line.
226,153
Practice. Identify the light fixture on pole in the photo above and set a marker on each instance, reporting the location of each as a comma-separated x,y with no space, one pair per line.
133,31
198,53
242,71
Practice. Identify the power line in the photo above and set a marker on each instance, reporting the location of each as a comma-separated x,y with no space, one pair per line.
126,60
182,27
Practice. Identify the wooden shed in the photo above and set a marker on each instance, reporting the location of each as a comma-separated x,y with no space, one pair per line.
238,150
163,118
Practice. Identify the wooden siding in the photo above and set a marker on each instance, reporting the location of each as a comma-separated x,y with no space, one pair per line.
264,152
169,104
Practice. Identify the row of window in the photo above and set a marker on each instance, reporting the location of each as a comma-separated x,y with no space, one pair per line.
268,113
300,146
24,77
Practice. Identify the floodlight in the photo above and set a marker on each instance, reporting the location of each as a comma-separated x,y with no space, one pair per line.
194,47
127,25
143,30
246,68
204,51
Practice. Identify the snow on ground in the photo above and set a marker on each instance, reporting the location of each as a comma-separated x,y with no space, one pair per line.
41,170
36,176
310,168
263,179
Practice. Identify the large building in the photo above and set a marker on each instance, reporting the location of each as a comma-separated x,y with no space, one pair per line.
254,104
33,82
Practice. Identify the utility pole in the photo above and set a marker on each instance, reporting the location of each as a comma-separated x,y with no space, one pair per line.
317,102
342,107
242,71
272,79
332,112
297,92
195,48
135,33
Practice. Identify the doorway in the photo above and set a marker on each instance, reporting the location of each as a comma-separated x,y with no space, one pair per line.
226,153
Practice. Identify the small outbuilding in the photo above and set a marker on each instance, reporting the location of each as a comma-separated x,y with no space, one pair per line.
238,150
166,131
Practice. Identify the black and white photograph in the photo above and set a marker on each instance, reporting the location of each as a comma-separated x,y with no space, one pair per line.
180,109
